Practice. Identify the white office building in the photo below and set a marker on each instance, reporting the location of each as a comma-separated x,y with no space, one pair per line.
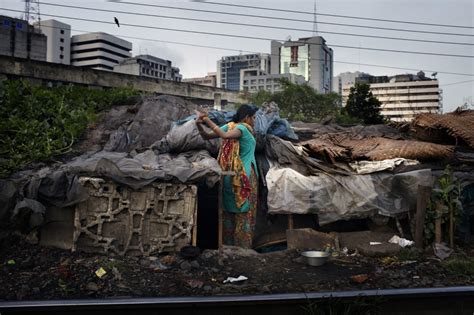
403,96
254,80
99,50
149,66
309,57
58,43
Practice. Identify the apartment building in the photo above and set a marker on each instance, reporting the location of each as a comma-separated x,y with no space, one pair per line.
149,66
404,96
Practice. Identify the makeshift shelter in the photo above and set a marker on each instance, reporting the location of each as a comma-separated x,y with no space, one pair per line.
335,173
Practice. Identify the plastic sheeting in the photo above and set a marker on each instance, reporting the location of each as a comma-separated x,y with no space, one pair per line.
336,197
185,137
147,167
367,167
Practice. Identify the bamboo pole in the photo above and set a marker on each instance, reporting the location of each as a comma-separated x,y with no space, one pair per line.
424,193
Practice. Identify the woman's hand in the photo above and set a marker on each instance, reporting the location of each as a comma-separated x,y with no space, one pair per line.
200,117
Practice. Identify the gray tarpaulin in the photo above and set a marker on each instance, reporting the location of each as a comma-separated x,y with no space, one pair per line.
335,197
147,167
183,138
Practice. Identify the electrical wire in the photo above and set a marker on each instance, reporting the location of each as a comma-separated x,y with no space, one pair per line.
290,19
336,15
255,37
252,25
254,52
457,83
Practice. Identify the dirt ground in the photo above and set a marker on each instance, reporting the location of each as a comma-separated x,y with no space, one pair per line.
31,272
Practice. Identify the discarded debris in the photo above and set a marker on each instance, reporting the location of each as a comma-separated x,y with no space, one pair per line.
100,272
375,243
400,241
238,279
442,251
360,278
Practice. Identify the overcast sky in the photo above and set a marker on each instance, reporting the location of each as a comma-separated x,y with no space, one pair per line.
197,61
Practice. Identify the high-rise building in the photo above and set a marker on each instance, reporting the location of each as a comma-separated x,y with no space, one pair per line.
402,96
20,39
228,68
58,44
149,66
99,50
309,57
208,80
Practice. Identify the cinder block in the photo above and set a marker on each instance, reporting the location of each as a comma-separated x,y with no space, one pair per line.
123,221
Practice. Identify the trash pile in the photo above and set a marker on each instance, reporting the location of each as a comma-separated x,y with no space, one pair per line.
334,172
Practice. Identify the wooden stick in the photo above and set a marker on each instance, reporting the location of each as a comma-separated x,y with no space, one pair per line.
451,227
221,214
439,206
290,222
424,193
194,236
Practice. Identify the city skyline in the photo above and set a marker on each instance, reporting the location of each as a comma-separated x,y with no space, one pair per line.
198,61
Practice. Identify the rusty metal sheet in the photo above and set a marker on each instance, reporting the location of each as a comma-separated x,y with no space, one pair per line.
136,222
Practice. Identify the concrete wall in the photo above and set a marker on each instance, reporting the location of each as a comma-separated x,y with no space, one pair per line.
56,73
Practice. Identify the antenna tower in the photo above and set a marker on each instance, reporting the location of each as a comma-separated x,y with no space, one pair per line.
32,11
315,21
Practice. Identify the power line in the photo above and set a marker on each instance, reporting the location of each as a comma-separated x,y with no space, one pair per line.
252,25
256,38
254,52
337,15
289,19
456,83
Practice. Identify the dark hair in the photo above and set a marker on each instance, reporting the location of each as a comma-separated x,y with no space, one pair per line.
244,111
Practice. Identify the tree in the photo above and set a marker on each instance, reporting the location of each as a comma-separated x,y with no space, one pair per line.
300,102
364,105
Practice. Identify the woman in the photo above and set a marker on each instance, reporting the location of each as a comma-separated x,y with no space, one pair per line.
237,154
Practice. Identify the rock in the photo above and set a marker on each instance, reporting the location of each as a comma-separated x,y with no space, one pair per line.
207,288
384,249
214,270
235,251
92,286
309,239
195,264
144,262
185,265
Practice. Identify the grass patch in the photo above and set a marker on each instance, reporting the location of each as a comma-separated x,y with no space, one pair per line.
407,254
461,266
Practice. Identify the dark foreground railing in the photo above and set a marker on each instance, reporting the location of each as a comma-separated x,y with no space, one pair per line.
447,300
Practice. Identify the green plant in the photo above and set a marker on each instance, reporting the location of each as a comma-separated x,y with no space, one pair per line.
37,123
407,254
362,104
445,205
300,102
461,266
